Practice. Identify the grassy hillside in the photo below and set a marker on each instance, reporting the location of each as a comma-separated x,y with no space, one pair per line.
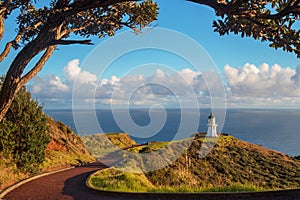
232,161
101,144
232,165
9,173
65,149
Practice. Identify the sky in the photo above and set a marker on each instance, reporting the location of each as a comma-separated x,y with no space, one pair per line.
241,71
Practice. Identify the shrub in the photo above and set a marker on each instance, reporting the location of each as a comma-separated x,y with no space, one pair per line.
23,132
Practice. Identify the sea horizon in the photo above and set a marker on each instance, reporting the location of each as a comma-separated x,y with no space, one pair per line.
276,129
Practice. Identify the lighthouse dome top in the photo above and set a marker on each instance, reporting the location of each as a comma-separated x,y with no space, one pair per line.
211,116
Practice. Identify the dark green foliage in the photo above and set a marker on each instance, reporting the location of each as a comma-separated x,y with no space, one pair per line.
274,21
23,132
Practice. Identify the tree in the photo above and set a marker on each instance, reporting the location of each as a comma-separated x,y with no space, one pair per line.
41,30
23,132
267,20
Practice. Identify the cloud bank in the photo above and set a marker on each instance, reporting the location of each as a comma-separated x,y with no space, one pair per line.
263,85
246,86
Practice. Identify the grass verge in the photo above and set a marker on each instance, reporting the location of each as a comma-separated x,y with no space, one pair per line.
113,179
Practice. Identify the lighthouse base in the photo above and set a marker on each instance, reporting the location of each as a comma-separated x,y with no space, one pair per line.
212,132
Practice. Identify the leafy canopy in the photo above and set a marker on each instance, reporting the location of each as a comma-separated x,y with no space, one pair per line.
42,29
275,21
86,19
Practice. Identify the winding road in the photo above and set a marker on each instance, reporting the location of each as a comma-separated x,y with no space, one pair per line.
70,184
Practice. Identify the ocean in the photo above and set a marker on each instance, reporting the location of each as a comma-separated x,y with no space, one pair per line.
277,129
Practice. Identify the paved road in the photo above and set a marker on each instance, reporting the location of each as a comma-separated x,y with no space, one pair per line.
70,184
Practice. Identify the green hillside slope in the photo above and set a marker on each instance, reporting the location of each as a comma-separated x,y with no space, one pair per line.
232,165
231,162
100,144
64,149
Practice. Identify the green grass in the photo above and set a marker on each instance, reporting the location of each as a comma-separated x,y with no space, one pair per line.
60,158
9,173
117,180
158,145
113,179
188,189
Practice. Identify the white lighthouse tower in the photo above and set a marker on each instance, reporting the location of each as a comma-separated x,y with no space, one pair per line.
211,126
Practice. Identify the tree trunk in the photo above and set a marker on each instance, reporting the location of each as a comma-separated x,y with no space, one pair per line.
13,80
13,76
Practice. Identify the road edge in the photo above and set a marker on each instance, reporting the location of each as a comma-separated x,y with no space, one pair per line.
289,194
15,186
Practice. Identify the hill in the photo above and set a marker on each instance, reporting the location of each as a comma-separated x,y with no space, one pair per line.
64,149
232,161
232,165
100,144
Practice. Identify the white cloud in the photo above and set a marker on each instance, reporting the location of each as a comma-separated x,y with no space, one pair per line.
72,72
247,86
262,86
263,81
160,87
50,86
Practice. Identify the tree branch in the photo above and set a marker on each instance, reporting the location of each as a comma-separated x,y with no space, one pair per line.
79,6
232,8
68,42
211,3
1,26
290,9
69,31
9,45
37,68
15,41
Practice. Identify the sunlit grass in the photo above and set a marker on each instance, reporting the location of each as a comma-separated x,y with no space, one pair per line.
113,179
9,173
117,180
60,158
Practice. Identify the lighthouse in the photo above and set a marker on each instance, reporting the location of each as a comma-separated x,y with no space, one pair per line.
211,126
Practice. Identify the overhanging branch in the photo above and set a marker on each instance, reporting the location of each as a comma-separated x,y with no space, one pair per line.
232,8
38,66
69,42
16,40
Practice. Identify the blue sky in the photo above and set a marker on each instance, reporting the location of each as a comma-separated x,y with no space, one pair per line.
233,56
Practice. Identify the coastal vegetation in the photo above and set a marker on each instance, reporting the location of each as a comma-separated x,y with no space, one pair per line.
232,165
31,142
23,133
65,147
